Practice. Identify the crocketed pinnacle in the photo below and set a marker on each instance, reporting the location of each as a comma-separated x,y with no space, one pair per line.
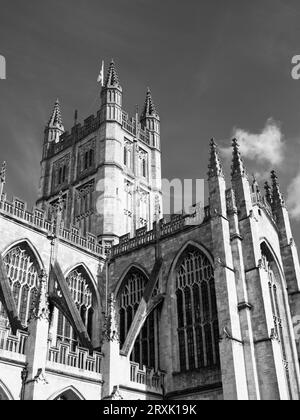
110,332
215,165
237,167
149,107
3,173
268,192
56,119
112,79
276,193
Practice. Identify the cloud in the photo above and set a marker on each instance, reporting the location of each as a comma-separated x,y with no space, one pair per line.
265,148
293,198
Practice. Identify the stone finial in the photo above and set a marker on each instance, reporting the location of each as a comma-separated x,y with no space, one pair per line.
215,166
268,192
56,118
41,306
237,167
110,332
112,79
75,116
276,193
3,173
149,107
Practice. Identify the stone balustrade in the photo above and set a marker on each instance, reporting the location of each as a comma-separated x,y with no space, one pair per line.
150,379
37,219
143,237
80,358
13,343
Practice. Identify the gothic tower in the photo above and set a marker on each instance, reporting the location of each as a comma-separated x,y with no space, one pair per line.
108,169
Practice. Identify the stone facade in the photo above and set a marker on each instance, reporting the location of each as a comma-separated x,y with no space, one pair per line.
201,306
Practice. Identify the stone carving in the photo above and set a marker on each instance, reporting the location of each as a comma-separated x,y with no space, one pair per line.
41,307
110,331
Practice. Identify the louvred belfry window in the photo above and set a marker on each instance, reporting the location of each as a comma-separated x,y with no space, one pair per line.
22,272
145,351
198,330
83,298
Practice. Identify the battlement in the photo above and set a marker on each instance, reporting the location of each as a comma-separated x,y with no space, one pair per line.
36,219
90,125
129,125
161,230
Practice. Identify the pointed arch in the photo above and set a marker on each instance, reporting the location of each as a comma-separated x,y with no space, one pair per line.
85,295
68,393
90,277
130,292
195,328
264,242
182,250
133,266
5,393
21,265
31,248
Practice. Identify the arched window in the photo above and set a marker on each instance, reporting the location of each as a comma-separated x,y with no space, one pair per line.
83,297
125,156
145,351
60,176
22,272
91,157
198,331
277,302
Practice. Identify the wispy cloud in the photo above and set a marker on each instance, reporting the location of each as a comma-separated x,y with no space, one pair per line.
293,197
265,148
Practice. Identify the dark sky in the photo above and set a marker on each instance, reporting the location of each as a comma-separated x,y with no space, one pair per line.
215,67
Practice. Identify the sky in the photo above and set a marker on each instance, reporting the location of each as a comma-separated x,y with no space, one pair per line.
216,69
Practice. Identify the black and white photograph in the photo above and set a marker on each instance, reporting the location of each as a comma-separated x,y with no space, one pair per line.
149,203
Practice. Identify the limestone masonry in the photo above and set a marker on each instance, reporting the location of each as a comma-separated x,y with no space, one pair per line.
103,298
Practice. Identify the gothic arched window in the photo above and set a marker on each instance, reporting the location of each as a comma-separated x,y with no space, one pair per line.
198,331
145,351
82,295
22,272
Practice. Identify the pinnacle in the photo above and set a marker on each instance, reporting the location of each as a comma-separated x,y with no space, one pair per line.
237,167
112,79
3,173
56,119
277,196
149,107
268,191
215,166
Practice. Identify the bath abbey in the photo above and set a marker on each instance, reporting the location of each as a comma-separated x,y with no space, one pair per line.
103,297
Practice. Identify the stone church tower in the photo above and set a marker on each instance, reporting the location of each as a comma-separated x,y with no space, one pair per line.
101,298
108,170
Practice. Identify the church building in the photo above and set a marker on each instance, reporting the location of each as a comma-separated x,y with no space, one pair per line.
104,298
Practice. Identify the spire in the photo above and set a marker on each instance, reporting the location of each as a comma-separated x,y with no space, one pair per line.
112,79
3,173
276,193
237,167
268,191
215,166
2,179
149,107
56,119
